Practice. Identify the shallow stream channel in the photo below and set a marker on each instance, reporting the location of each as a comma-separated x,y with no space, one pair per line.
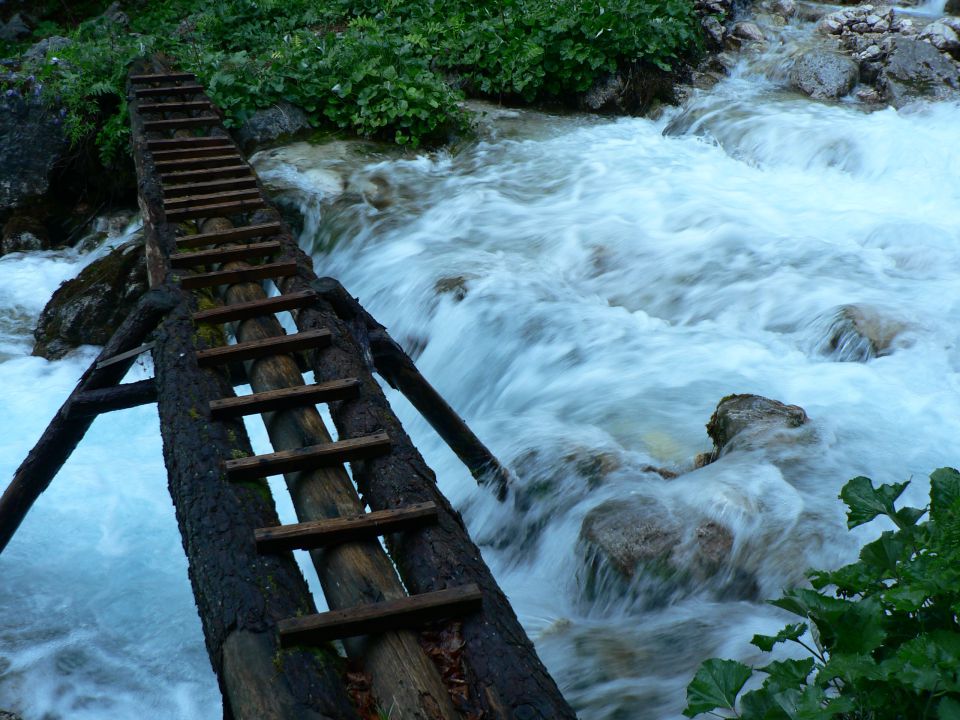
584,291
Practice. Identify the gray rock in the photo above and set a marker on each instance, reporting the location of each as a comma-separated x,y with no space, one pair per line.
273,123
712,32
47,46
14,29
917,70
952,7
88,309
32,141
943,37
747,31
115,15
24,234
631,533
784,8
606,95
6,715
824,75
747,422
858,333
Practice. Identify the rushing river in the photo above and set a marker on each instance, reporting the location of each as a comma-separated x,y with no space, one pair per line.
583,291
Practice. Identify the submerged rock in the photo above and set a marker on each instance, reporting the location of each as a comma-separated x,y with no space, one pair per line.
747,422
824,75
88,309
916,69
857,333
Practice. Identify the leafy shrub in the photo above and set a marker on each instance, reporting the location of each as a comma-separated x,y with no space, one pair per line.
885,638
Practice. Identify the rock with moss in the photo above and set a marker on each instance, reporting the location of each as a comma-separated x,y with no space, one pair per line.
32,142
88,309
751,422
24,233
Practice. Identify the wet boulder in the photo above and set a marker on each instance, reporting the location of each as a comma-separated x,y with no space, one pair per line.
32,142
952,7
824,75
749,422
605,96
265,126
88,309
640,545
24,233
860,20
914,70
858,333
943,35
6,715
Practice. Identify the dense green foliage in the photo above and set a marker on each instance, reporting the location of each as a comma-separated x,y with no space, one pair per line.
885,633
394,69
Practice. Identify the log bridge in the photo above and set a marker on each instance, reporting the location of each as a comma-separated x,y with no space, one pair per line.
419,617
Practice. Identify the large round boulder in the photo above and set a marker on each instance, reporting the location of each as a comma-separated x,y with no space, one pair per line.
915,69
858,333
23,233
88,309
824,75
282,120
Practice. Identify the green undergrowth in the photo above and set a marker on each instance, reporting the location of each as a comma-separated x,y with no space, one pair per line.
392,70
880,637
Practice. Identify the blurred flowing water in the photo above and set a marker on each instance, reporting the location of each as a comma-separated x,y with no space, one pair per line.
583,291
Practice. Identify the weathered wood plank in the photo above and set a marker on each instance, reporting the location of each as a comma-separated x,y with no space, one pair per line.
120,357
180,123
217,210
219,237
195,163
324,533
265,347
240,183
168,90
408,612
179,106
227,277
210,198
254,308
187,142
284,398
220,149
178,178
161,77
297,459
226,254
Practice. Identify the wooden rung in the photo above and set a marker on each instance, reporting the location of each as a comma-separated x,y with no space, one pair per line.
187,153
307,458
161,77
180,123
279,345
181,106
247,274
284,399
194,163
255,308
216,210
211,186
175,178
224,255
168,90
228,236
335,531
408,612
186,142
210,199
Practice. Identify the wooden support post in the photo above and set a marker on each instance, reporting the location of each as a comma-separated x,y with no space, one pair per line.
69,425
119,397
396,367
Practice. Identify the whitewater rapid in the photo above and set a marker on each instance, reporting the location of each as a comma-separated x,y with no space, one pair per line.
583,291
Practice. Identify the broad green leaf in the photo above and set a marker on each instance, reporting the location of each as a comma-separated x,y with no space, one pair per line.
866,502
884,553
858,630
905,598
908,516
850,669
790,632
944,493
807,704
789,673
948,709
716,685
760,705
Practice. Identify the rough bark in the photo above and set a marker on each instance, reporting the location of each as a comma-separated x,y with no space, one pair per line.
353,573
505,678
240,594
69,426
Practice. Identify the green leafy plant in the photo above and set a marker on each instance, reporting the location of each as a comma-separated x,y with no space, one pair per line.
884,640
